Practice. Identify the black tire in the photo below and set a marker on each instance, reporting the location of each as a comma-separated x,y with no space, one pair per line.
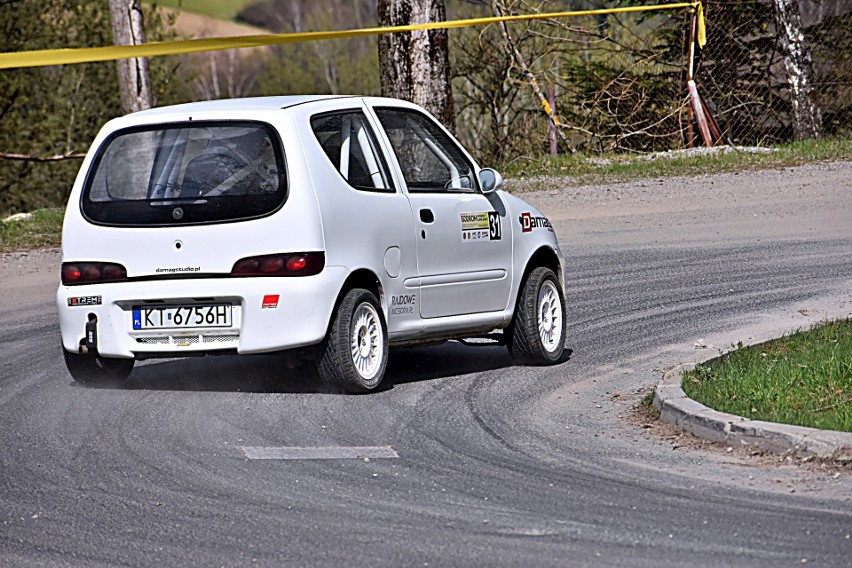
354,355
536,335
97,370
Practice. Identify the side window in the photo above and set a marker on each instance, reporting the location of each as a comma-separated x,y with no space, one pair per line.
429,159
351,146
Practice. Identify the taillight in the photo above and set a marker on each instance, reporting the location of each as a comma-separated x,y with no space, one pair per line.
289,264
91,272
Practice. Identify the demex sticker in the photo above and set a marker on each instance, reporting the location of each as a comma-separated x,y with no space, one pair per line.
481,226
528,222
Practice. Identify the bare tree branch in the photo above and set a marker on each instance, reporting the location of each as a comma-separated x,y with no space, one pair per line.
31,158
513,50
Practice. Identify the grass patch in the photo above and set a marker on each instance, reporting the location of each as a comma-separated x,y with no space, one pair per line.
585,169
803,379
221,9
41,230
648,405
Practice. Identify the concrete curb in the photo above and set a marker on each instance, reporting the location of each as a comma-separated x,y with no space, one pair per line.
678,409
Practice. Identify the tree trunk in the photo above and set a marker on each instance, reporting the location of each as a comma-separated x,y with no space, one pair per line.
134,78
415,66
807,120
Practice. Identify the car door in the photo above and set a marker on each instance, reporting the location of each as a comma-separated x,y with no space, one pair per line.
367,221
464,241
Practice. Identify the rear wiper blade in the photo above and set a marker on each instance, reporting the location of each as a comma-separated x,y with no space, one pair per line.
171,202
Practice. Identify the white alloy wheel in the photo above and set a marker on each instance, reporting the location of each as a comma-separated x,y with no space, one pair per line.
550,315
353,356
537,332
366,341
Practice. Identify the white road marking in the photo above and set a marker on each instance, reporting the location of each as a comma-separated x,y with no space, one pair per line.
318,453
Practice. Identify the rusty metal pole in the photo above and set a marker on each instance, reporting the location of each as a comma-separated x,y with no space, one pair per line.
690,117
700,115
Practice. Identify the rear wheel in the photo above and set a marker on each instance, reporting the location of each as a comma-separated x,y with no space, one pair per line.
537,332
98,370
354,354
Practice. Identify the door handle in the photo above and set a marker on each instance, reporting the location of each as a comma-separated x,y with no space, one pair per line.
427,216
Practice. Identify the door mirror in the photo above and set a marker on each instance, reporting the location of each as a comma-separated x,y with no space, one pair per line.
490,180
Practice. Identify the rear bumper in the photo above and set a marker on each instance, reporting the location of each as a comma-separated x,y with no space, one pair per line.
299,318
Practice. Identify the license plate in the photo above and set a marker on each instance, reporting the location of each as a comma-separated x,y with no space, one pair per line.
181,317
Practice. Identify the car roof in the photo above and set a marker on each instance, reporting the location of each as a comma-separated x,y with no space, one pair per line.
243,104
244,108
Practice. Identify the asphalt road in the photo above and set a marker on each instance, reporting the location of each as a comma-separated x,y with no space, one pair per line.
497,465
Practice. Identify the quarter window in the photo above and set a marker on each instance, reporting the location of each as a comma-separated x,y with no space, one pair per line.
429,159
351,146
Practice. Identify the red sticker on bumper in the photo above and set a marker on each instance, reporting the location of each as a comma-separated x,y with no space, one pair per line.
270,301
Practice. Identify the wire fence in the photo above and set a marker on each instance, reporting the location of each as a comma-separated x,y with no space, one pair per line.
618,82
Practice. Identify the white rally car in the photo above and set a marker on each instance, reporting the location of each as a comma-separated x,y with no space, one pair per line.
329,227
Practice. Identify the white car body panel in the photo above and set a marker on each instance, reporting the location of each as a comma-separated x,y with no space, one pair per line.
433,281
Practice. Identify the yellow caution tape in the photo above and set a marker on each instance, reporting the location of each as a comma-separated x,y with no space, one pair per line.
108,53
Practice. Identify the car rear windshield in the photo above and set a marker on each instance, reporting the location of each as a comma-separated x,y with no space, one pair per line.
187,173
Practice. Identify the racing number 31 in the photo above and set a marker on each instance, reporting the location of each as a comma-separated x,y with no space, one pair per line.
494,225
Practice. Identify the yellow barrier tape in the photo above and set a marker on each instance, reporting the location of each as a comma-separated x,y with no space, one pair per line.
108,53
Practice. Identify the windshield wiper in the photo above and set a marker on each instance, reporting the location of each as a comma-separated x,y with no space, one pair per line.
169,201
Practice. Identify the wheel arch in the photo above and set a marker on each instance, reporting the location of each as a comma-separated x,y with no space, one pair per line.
361,278
546,257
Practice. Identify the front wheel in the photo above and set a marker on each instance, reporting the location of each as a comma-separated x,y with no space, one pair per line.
98,370
354,354
537,332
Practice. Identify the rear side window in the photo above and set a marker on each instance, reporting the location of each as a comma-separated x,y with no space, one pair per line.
350,144
186,173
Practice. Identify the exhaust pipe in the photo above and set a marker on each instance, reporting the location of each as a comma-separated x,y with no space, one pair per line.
90,342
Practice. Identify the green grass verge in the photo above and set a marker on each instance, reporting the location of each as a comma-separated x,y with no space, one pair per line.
221,9
803,379
584,169
41,230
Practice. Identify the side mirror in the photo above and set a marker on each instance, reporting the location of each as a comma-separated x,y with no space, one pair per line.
490,180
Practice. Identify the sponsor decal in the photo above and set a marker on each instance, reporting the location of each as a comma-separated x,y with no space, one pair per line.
179,269
528,222
85,301
481,226
270,301
403,304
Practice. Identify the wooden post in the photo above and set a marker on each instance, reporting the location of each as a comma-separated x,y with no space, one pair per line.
551,127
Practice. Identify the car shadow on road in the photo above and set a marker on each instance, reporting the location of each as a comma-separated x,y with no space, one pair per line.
271,373
226,373
415,364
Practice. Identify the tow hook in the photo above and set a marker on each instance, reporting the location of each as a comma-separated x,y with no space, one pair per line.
90,343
